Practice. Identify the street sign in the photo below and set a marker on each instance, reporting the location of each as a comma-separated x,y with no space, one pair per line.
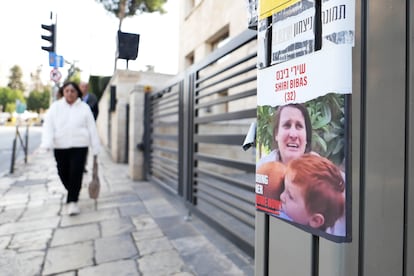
20,107
55,60
55,75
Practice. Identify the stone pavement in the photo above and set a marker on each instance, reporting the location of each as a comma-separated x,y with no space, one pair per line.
134,228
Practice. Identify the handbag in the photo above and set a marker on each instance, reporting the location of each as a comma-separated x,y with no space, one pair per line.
94,185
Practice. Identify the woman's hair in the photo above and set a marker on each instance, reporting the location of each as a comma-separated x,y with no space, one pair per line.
59,93
308,124
75,85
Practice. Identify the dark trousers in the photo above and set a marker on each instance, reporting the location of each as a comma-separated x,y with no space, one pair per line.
70,164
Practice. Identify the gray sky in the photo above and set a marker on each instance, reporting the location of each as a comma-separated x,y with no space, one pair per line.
86,33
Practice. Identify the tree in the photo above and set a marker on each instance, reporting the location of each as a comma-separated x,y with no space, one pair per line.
125,8
38,100
15,79
128,8
97,85
8,98
36,80
74,73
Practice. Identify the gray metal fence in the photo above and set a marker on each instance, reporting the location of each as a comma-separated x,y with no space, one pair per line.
194,132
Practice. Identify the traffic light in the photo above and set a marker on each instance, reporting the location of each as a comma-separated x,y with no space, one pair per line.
51,38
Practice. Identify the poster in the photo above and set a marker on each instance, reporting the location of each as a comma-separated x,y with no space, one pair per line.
269,7
262,36
303,121
293,32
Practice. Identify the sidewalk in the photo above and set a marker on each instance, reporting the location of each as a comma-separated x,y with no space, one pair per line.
134,228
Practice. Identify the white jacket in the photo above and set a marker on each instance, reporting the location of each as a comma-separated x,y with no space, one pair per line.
70,126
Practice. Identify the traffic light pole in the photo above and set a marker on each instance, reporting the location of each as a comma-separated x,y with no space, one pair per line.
50,36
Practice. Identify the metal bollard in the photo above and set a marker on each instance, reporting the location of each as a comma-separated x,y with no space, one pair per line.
13,157
26,145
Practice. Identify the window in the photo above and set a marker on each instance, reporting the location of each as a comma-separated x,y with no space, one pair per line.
219,39
189,60
190,5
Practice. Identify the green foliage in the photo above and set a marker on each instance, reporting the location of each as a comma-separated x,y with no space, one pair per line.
327,117
75,76
15,78
328,122
38,100
123,8
98,84
264,131
8,98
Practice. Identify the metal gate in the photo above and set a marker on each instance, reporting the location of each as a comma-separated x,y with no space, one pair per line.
194,132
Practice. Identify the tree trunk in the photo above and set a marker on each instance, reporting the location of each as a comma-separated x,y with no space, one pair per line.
121,16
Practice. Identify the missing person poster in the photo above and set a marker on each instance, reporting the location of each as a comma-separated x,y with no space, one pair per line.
293,33
303,121
269,7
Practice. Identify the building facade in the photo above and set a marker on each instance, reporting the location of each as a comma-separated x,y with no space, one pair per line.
206,25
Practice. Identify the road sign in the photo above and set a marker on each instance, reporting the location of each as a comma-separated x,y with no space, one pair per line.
55,75
20,107
55,60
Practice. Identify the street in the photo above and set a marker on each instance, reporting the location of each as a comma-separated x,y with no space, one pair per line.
7,135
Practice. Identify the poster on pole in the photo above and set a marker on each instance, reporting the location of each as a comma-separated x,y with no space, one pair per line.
303,161
293,32
269,7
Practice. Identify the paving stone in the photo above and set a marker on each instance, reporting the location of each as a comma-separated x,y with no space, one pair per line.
15,206
160,207
75,234
118,268
88,217
26,226
4,241
176,227
147,234
73,273
134,228
41,211
135,209
243,262
161,263
30,182
196,250
30,263
23,264
144,222
104,248
146,191
192,245
33,240
11,215
117,200
87,205
68,257
117,226
151,246
6,182
14,198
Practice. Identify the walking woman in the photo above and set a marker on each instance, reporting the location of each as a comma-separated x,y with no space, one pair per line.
69,129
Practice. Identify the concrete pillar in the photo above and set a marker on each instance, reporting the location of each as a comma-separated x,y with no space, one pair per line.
136,131
118,130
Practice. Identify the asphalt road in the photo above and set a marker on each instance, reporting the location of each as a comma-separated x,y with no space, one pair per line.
7,135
